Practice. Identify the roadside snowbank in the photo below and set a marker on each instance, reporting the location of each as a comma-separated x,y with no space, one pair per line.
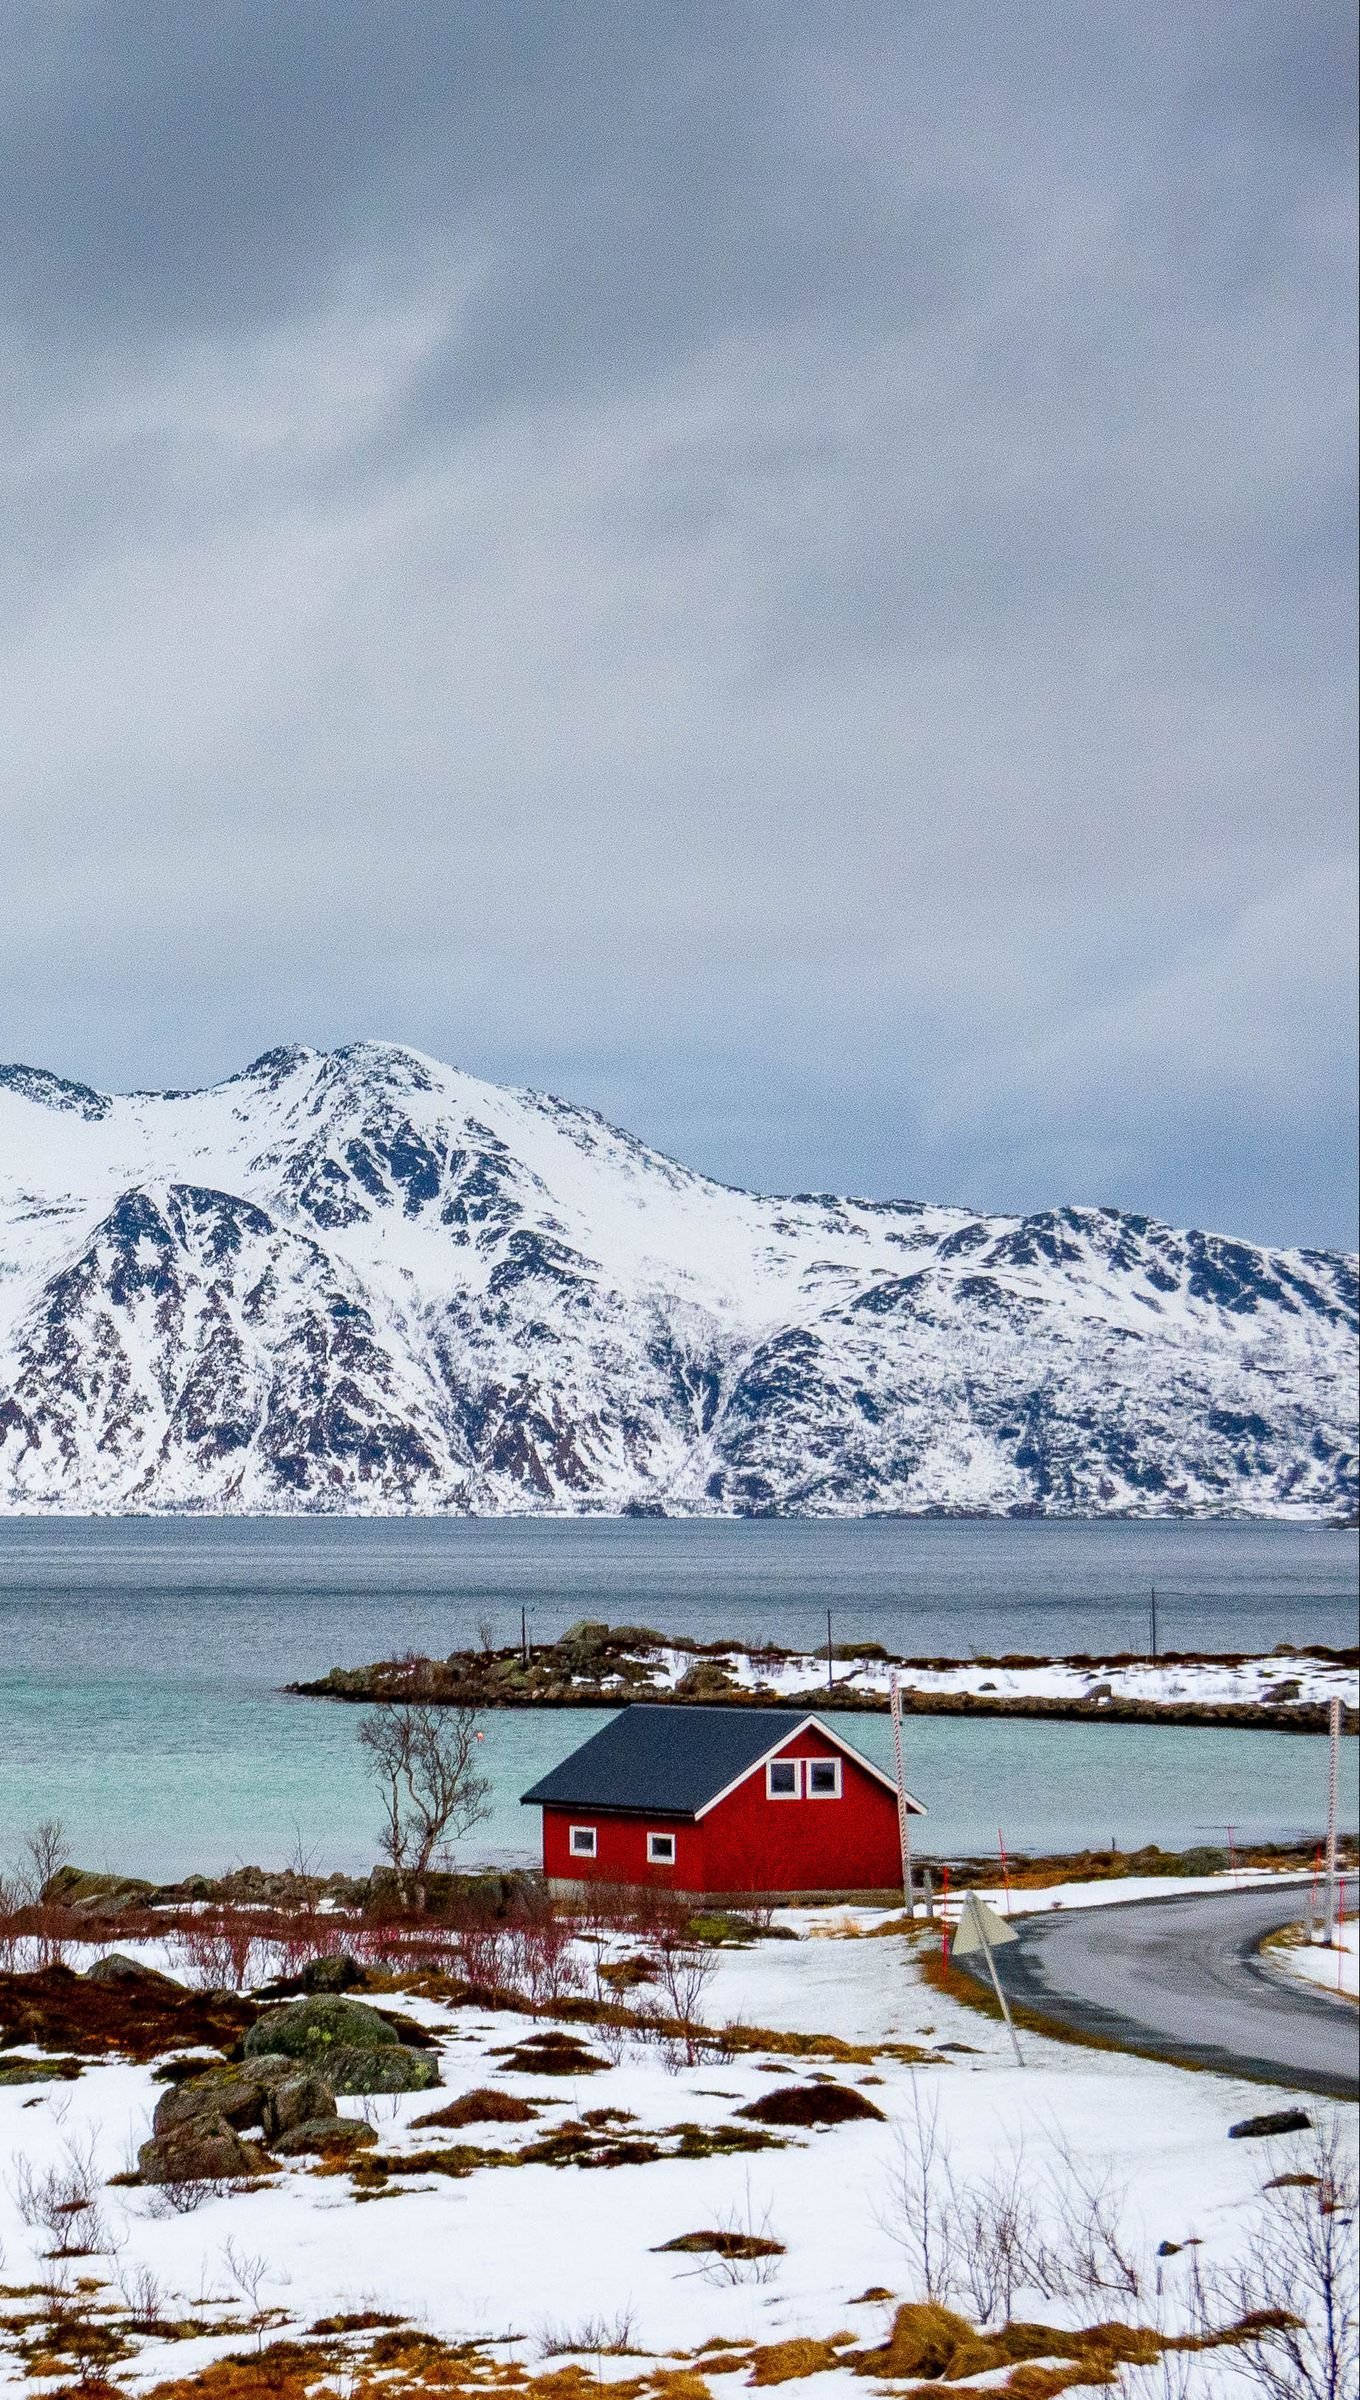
1334,1970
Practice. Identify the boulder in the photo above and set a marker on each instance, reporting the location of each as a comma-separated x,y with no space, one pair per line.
1279,2120
349,2043
206,2150
303,2098
273,2093
328,2137
116,1967
338,1974
95,1895
393,2070
313,2027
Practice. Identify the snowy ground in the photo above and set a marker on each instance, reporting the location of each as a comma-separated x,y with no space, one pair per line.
1334,1970
528,2258
1218,1682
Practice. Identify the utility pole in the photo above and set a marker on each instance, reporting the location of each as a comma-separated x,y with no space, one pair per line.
830,1670
1154,1624
903,1812
523,1635
1333,1758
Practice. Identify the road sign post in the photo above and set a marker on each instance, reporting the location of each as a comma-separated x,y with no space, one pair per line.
903,1812
980,1928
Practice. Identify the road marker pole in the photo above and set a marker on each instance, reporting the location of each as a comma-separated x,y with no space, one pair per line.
980,1928
1333,1760
903,1813
1005,1868
1313,1894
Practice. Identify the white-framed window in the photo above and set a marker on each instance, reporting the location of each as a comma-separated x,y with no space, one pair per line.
823,1778
661,1849
783,1779
582,1841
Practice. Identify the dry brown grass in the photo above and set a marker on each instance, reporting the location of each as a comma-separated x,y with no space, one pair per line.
788,2362
810,2104
482,2107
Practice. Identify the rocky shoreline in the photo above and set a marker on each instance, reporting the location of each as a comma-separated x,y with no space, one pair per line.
596,1666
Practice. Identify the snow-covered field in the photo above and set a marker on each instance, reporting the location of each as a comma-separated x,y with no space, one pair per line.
1295,1678
544,2259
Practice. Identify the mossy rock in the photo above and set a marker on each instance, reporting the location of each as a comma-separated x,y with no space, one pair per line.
397,2069
314,2027
37,2070
325,2137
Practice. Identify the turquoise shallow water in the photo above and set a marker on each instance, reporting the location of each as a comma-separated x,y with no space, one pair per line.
140,1666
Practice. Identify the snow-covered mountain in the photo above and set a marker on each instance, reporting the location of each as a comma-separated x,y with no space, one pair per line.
359,1280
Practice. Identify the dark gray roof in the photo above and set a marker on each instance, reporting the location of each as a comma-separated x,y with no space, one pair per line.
668,1760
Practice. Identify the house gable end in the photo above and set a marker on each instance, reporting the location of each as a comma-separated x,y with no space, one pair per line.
809,1724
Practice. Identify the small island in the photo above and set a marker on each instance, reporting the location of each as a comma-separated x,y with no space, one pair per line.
595,1665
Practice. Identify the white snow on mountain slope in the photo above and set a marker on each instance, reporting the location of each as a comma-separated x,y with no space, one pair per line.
363,1280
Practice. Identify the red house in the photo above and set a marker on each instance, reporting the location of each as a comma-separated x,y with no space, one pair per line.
724,1802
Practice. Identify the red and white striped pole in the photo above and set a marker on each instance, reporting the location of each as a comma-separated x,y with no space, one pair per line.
903,1813
1333,1758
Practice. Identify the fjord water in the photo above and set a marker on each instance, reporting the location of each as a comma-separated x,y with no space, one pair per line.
141,1662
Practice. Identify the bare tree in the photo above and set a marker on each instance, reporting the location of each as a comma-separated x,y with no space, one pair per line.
424,1763
46,1852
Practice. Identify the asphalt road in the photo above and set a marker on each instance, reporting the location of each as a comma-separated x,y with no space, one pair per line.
1184,1979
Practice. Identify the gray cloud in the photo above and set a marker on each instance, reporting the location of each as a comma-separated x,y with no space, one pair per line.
787,571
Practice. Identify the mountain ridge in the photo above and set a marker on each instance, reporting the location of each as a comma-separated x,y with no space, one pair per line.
361,1280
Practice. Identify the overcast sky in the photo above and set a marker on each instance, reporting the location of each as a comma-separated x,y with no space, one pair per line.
784,570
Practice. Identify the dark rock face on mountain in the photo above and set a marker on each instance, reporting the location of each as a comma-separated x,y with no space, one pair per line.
363,1281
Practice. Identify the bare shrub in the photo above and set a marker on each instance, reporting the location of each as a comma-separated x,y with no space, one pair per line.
220,1950
684,1971
599,2337
423,1760
1093,2254
180,2195
481,1955
997,2236
751,2250
11,1925
921,2210
1297,2284
143,2296
63,2202
545,1964
249,2275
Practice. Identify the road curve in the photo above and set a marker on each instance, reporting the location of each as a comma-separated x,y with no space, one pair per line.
1184,1979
